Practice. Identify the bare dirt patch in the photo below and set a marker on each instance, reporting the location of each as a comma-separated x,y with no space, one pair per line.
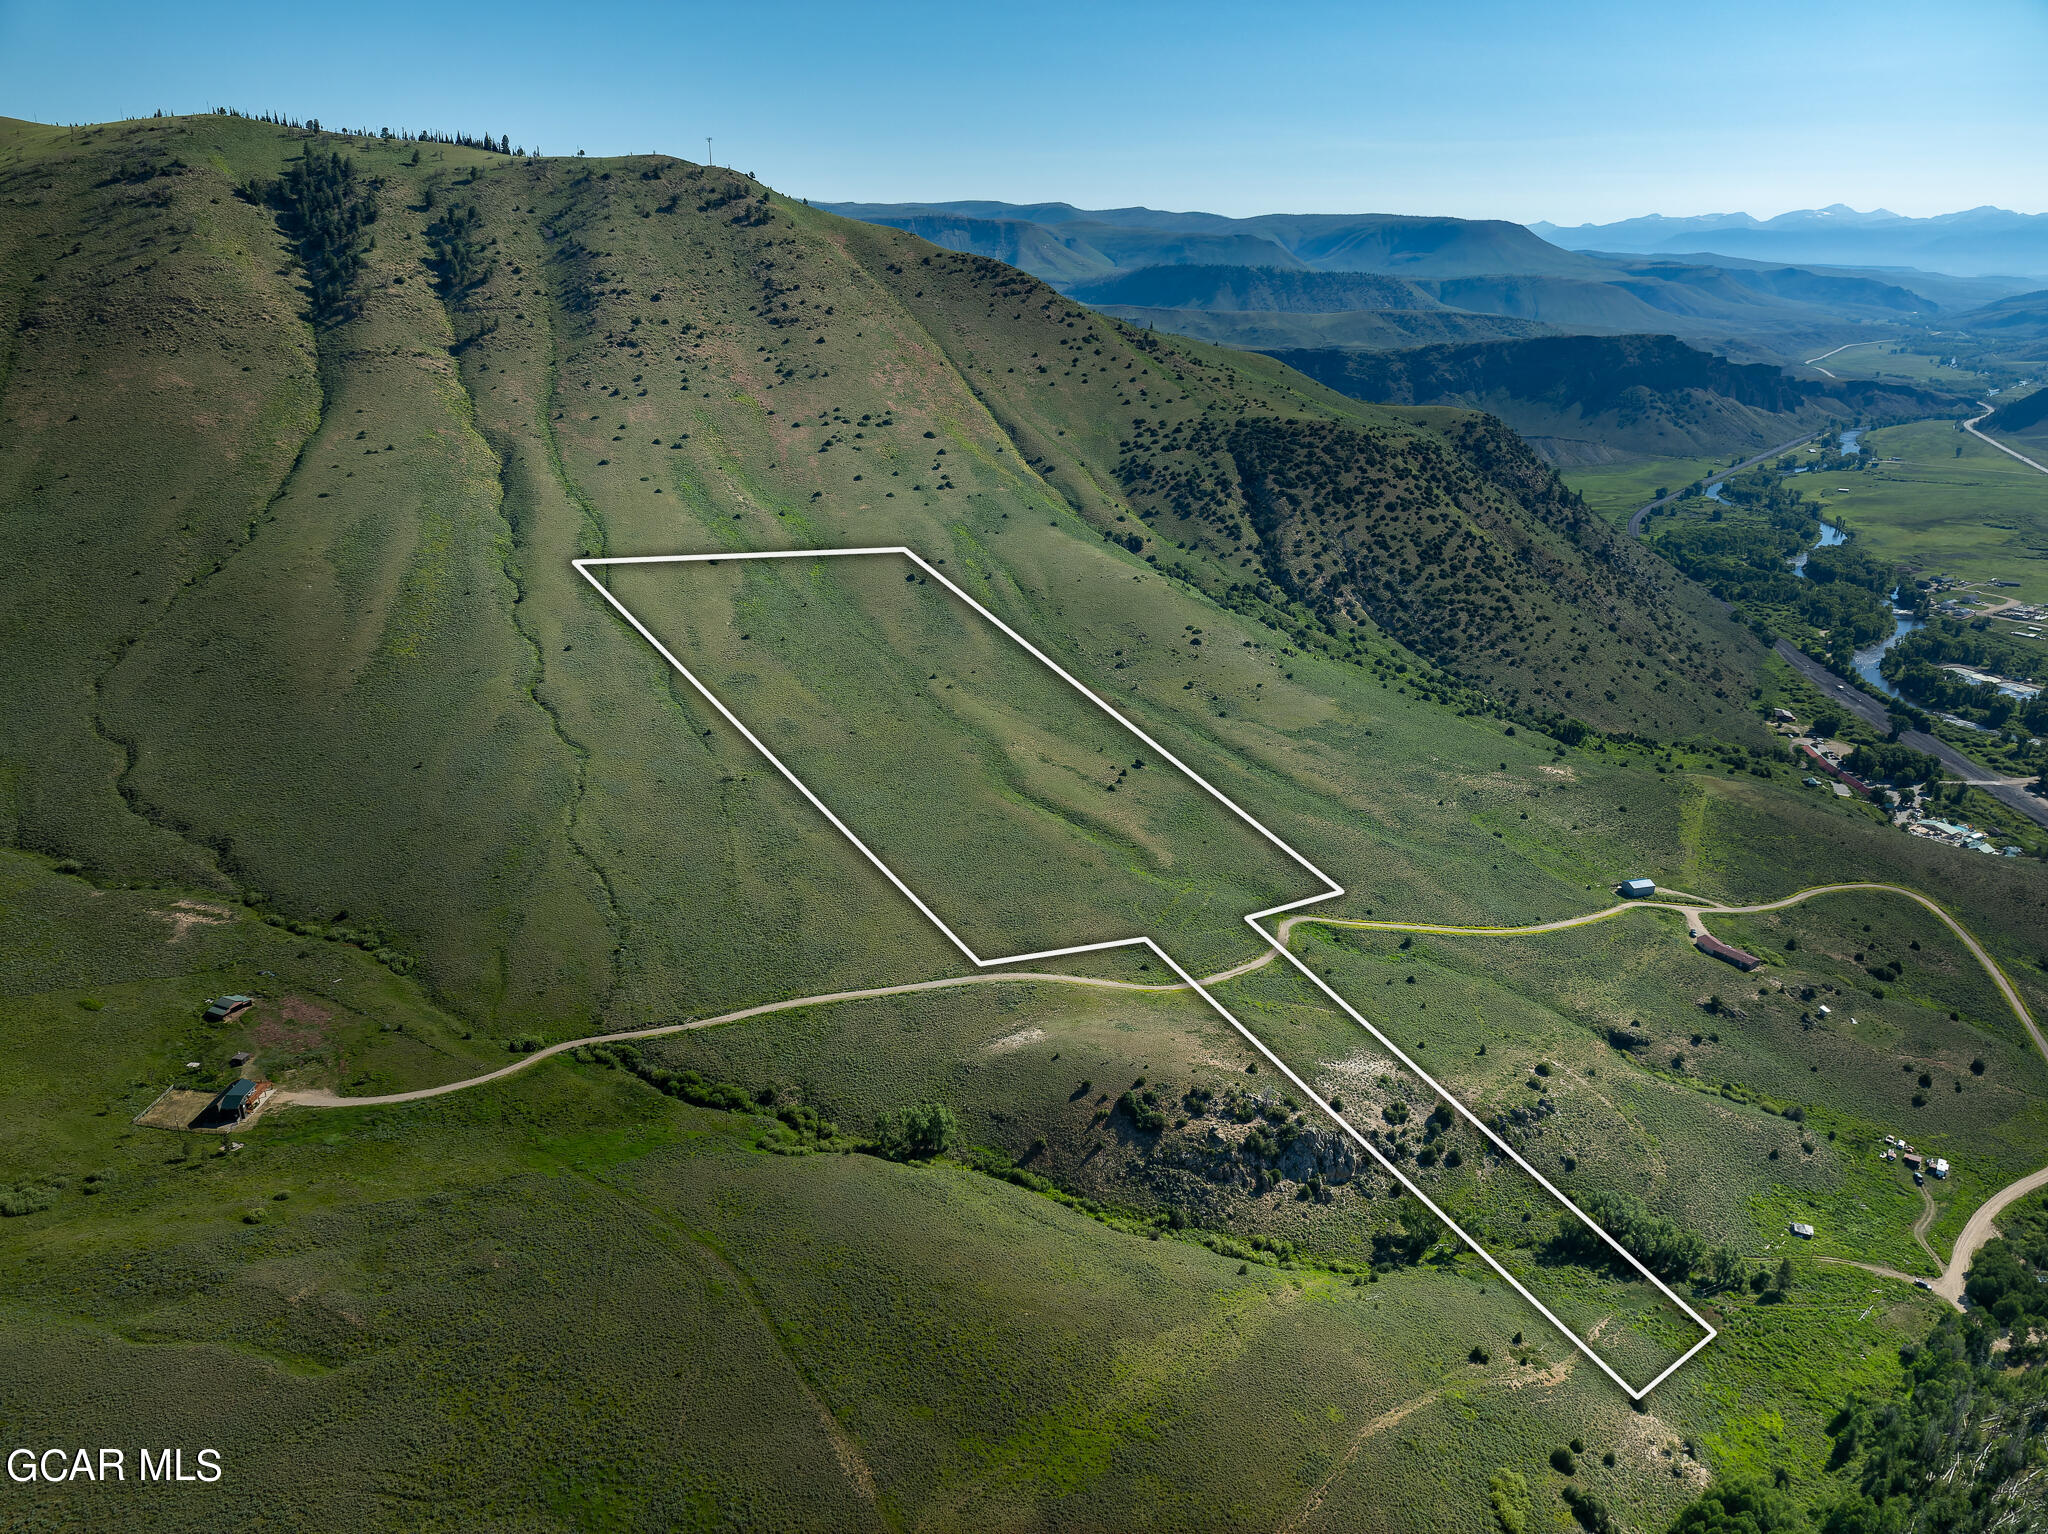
177,1108
1653,1443
1016,1040
1549,1378
292,1023
1359,1071
184,915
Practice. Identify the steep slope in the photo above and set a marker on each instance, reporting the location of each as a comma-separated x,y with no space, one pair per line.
1585,399
2022,317
2028,414
1462,545
294,614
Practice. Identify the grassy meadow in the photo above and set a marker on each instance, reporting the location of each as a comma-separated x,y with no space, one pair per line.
851,1342
1928,369
1618,490
1977,514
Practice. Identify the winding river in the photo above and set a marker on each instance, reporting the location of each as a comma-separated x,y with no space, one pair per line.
1903,622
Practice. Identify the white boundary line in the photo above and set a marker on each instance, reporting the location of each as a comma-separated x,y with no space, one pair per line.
585,567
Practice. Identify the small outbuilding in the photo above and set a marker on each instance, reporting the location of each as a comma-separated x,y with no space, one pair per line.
222,1008
1636,889
237,1061
1803,1231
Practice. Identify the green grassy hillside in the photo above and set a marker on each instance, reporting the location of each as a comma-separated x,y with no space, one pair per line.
296,614
2022,417
302,697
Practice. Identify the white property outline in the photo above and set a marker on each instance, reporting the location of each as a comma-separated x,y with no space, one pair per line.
584,567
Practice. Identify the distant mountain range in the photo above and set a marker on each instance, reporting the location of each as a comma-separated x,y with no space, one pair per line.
1066,245
1983,241
1573,348
1380,280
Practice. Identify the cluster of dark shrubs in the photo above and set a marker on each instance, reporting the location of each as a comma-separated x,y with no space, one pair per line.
802,1121
1663,1246
461,262
1142,1104
327,210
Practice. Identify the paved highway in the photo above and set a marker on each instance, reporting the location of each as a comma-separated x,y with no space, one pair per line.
2011,794
1635,522
1970,426
1873,713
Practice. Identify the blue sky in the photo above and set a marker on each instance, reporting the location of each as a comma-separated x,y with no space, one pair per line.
1538,109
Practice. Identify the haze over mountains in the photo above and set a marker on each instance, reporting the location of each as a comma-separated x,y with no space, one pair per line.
1136,262
1473,311
1978,242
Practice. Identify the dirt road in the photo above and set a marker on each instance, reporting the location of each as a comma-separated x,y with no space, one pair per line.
1980,1229
320,1097
1692,908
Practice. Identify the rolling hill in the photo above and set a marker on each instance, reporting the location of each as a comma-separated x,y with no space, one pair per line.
2022,318
1590,399
340,513
2026,416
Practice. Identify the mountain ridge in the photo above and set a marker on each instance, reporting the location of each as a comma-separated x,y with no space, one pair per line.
1592,399
1975,242
1125,238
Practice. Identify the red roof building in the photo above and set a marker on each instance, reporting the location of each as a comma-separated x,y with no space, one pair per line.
1707,943
1835,769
